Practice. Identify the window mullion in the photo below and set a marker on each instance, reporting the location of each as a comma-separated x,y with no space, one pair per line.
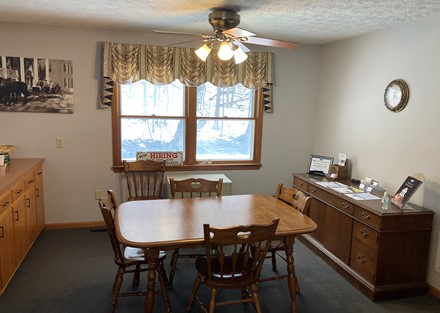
191,125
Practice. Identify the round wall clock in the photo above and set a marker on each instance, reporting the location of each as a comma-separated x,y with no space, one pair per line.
396,95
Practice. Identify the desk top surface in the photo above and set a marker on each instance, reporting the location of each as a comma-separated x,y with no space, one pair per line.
170,223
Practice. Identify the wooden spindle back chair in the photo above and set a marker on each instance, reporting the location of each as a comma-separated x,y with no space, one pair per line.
144,179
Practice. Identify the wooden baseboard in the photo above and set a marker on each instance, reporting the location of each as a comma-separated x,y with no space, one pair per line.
75,225
434,292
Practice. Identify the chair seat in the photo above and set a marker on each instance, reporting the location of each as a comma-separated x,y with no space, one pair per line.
137,254
228,273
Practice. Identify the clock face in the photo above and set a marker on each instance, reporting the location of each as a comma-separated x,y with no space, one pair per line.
396,95
393,95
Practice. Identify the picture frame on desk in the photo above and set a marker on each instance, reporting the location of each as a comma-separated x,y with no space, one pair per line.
319,165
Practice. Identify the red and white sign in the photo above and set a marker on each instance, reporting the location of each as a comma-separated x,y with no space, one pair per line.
172,157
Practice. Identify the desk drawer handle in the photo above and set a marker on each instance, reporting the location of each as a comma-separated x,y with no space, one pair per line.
6,203
2,233
30,181
28,203
19,191
17,217
365,216
364,232
312,189
361,258
345,205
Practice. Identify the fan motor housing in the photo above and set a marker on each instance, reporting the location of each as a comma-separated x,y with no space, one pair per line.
224,19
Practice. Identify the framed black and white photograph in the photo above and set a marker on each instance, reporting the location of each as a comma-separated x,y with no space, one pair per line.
36,85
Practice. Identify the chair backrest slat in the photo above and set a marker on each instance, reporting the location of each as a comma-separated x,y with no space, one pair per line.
195,187
144,179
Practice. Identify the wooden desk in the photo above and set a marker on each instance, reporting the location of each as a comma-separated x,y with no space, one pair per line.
156,225
382,252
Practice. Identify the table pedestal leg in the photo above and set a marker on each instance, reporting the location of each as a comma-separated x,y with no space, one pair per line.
291,278
153,265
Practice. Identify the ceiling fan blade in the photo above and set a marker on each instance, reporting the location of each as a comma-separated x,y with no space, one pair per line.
242,46
238,32
271,42
174,33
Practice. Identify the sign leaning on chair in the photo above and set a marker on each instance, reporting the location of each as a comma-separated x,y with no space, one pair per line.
172,157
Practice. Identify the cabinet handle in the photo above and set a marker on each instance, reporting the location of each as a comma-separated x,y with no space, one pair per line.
300,183
365,216
364,232
312,189
19,191
361,258
345,205
2,232
30,181
39,173
37,192
28,203
6,203
17,218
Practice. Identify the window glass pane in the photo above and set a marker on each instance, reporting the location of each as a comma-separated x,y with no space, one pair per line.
144,98
235,101
151,135
225,139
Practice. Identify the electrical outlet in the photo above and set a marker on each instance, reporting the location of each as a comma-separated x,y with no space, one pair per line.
98,194
59,143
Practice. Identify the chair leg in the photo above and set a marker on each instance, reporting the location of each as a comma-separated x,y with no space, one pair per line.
164,272
137,275
163,288
256,298
194,292
274,261
212,300
173,264
116,288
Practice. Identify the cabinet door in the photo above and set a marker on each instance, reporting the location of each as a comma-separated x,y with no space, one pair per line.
338,229
31,215
317,212
39,199
7,255
20,229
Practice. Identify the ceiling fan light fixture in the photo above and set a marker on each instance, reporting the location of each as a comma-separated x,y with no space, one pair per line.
239,55
203,52
225,52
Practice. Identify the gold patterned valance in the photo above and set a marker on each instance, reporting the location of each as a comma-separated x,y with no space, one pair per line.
125,63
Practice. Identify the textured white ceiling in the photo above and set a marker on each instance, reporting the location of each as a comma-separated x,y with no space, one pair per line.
302,21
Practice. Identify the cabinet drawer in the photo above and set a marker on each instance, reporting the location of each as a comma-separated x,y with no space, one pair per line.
367,217
365,234
333,200
301,184
5,201
39,175
17,191
29,181
363,260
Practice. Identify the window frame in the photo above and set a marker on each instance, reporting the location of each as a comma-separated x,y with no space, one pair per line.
190,163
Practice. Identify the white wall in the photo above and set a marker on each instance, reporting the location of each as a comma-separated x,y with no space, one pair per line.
73,173
383,145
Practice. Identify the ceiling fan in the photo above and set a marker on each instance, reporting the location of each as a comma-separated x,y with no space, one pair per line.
230,38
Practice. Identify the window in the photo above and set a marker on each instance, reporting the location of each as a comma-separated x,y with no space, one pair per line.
214,127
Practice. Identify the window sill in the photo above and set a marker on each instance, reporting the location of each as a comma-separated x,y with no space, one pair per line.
203,167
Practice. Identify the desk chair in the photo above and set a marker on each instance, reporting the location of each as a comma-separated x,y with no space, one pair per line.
299,201
144,179
237,264
192,188
128,259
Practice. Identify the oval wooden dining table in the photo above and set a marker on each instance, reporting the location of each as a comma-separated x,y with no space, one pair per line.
167,224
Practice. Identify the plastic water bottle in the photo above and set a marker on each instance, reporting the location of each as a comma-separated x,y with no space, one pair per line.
385,200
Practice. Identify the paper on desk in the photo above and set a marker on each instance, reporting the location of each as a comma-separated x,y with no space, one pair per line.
362,196
331,184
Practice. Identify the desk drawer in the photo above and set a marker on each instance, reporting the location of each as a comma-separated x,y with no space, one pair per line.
363,260
367,217
29,181
365,234
5,201
17,191
301,184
